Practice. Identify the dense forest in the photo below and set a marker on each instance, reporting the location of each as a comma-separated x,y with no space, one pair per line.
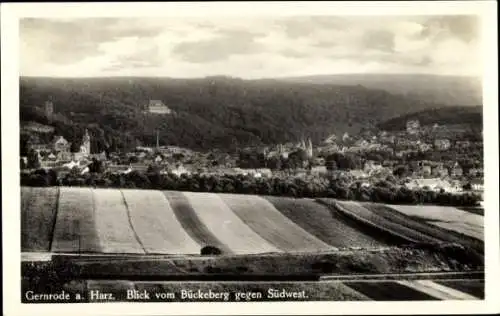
452,115
213,112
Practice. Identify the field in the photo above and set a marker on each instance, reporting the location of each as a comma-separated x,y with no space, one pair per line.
449,218
84,238
181,223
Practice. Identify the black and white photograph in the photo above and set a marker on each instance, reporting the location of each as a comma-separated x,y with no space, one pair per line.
236,158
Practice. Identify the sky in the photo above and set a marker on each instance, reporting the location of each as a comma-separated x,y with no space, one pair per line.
257,47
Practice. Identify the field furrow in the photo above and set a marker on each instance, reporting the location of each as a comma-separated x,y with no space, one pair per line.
112,223
262,217
75,229
447,217
423,226
323,223
394,228
155,223
191,223
228,227
38,216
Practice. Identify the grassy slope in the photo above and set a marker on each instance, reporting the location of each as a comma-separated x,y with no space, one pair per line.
75,229
113,224
323,223
228,227
399,234
422,226
191,223
38,216
262,217
156,225
439,258
447,217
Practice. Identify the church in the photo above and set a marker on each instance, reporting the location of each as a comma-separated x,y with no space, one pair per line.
84,151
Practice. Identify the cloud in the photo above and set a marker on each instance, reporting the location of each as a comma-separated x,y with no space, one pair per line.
379,40
250,47
227,43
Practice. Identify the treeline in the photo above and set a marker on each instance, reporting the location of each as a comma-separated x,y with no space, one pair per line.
208,113
309,187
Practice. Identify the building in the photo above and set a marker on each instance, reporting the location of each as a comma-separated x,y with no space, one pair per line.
442,144
433,184
439,171
331,139
476,172
412,127
49,109
425,147
157,107
317,170
456,171
477,184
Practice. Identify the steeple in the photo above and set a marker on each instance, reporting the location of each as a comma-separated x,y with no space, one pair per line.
157,139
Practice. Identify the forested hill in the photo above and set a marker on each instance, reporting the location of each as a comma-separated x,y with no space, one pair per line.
453,115
209,112
448,90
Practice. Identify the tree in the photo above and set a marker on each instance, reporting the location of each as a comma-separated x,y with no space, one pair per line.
96,166
22,164
33,160
401,171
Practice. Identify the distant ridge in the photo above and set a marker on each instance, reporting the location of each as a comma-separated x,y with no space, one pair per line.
212,112
447,90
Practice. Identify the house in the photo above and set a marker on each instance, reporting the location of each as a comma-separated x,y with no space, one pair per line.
361,143
434,184
59,143
426,171
456,171
371,166
442,144
119,169
179,170
439,171
330,139
158,159
424,147
319,170
358,174
157,107
463,144
412,127
477,184
476,172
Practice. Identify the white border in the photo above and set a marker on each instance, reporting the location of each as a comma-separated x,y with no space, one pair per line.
11,12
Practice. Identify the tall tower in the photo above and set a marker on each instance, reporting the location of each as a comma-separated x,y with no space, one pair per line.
86,143
309,148
157,139
49,109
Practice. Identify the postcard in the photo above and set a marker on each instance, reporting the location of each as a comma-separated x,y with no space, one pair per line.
250,158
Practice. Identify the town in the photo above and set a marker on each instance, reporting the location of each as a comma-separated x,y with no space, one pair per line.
436,158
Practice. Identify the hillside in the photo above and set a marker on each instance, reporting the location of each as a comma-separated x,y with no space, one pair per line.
448,90
206,113
454,115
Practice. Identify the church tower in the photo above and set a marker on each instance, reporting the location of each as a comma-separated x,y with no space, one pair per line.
85,148
49,109
309,148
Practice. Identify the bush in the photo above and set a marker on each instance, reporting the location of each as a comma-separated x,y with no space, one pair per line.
210,251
